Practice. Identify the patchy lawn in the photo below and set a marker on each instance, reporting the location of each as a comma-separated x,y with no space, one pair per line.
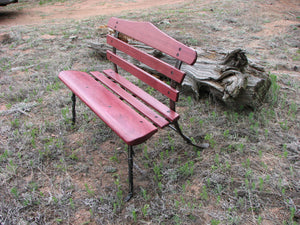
54,173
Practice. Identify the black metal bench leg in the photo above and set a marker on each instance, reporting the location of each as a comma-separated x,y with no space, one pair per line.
187,139
130,173
73,108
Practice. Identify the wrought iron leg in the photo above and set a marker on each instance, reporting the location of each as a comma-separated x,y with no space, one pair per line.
73,108
130,173
187,139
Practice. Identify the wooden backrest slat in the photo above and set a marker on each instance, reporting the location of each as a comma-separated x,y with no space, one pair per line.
149,60
144,96
152,81
148,34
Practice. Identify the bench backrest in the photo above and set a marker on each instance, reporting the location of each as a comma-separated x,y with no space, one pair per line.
150,35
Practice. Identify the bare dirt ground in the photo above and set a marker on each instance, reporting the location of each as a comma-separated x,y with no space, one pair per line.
31,13
53,173
61,11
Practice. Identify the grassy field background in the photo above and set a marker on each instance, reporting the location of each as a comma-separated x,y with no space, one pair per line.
54,173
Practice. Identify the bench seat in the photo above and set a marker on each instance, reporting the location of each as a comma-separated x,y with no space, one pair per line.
119,116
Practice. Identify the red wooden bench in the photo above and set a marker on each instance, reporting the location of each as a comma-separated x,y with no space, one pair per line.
133,114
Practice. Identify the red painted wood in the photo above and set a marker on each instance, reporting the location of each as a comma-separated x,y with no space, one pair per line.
144,96
150,35
160,66
159,85
141,107
131,127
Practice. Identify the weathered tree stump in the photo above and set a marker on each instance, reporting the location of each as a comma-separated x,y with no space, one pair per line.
230,78
233,79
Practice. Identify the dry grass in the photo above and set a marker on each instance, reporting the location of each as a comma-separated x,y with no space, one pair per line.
53,173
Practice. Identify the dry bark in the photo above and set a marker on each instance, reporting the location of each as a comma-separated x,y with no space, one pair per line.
234,80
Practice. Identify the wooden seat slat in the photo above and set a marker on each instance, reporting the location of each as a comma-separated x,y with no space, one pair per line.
148,34
141,107
152,81
156,64
131,127
144,96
